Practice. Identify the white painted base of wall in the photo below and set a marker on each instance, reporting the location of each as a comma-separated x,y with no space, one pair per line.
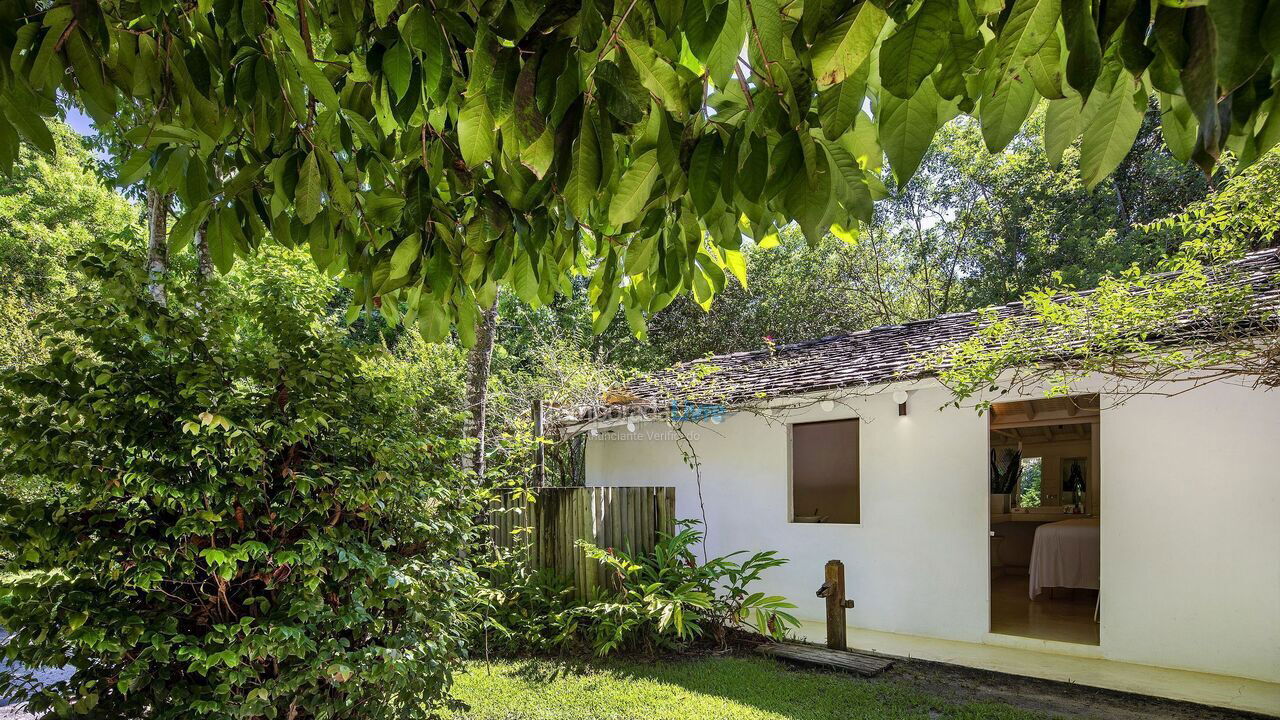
1066,662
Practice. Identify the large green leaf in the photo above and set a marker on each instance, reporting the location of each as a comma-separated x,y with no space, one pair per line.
656,75
1269,134
1111,129
1199,78
864,142
404,256
849,181
584,172
839,50
839,105
382,10
1084,51
728,44
30,125
633,189
1030,24
755,168
1269,32
1240,51
220,236
1045,66
44,71
182,232
476,134
1061,127
307,195
98,98
704,172
812,203
911,53
766,29
311,75
1177,126
907,128
135,168
398,66
1005,109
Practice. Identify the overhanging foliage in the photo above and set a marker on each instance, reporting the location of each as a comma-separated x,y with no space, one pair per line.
434,151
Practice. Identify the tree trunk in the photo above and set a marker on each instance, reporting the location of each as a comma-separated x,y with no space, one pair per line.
157,244
204,262
1122,208
478,362
539,450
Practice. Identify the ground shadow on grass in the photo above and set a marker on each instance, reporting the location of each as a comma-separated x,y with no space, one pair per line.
770,687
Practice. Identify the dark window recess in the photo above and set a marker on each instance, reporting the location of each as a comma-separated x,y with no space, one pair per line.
824,472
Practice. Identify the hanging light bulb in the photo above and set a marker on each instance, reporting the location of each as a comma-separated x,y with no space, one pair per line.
827,406
631,427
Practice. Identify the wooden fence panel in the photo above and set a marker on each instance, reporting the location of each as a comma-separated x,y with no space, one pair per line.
547,524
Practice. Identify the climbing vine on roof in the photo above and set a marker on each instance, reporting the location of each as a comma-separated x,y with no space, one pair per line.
432,152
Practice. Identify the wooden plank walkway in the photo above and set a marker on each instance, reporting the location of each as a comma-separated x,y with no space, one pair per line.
854,662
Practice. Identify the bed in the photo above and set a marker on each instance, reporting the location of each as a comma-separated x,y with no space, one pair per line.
1065,554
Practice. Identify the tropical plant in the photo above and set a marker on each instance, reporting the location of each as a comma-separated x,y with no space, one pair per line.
668,596
659,600
253,518
522,610
434,151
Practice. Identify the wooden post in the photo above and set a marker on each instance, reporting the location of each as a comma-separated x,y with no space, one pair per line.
539,456
833,590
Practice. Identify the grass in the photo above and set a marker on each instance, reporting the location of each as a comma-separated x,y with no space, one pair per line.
699,689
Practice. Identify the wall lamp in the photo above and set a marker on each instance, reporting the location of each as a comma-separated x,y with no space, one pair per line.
900,397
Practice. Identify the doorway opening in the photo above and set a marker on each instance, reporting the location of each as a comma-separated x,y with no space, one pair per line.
1045,518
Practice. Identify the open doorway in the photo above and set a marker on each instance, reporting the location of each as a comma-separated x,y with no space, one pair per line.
1045,518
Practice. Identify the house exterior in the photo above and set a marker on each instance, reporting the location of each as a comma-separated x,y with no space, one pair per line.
1184,493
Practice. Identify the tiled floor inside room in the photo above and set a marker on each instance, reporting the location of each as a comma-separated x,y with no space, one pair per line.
1060,614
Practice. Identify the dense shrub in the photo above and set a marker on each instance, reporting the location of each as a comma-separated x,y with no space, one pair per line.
523,610
661,600
255,519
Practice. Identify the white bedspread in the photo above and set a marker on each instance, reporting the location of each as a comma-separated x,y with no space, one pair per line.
1065,554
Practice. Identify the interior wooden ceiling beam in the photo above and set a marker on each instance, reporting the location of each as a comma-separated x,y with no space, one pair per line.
1078,420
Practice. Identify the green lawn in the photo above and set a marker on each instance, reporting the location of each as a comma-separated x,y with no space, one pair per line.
702,689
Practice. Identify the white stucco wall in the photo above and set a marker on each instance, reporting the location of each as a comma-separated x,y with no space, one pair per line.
917,562
1190,530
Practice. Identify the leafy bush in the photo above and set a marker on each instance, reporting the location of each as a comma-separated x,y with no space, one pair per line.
659,600
524,610
255,519
666,595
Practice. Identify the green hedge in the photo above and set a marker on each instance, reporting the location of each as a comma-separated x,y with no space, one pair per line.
252,519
